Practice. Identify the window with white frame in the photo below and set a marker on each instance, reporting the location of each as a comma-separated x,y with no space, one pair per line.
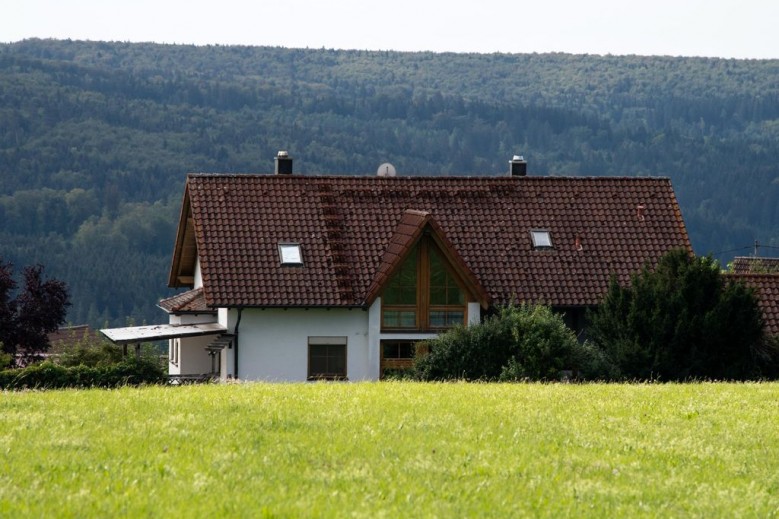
542,239
290,254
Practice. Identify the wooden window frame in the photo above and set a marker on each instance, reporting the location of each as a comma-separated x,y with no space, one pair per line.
423,308
395,363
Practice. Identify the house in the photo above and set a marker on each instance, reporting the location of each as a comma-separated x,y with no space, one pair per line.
296,277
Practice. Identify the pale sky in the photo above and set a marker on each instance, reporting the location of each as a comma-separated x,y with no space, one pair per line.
716,28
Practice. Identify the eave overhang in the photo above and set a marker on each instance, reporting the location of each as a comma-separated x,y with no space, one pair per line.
182,270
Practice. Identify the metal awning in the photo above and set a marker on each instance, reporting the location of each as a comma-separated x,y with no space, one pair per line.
157,332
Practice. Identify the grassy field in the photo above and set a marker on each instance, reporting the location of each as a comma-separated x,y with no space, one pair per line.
392,450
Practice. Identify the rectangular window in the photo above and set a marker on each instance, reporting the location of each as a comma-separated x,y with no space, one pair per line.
446,318
398,349
290,254
396,356
327,358
541,239
399,319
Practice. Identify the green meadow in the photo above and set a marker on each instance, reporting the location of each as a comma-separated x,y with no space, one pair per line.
393,449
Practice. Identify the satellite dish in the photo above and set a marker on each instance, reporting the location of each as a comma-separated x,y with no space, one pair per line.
386,170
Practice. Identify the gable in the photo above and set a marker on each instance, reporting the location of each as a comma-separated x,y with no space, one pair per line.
412,226
345,227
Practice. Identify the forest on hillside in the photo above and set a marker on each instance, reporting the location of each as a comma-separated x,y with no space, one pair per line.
96,139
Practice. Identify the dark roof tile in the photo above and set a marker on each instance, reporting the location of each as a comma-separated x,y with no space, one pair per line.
754,265
345,226
767,288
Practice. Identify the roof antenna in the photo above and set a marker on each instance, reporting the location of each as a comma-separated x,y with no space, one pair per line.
757,246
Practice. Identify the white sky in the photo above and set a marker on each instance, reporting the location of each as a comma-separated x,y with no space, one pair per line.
723,28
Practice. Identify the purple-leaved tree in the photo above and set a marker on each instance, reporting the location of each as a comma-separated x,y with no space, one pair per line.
28,317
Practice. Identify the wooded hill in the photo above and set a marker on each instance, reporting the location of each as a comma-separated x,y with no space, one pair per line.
96,139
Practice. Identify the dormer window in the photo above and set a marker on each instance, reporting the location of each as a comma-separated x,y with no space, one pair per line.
541,239
290,254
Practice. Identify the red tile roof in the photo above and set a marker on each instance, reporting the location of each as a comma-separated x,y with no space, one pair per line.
598,226
767,288
189,302
754,265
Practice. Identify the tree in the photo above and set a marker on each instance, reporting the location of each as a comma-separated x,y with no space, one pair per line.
28,317
679,321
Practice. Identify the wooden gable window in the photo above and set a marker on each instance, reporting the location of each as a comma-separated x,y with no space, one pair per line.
424,294
399,301
447,299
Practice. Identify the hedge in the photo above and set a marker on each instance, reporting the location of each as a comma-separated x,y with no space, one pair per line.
48,375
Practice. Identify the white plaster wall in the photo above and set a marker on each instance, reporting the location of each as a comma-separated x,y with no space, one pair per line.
374,336
193,358
474,314
192,318
273,343
198,274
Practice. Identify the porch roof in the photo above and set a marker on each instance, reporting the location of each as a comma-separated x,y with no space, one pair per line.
158,332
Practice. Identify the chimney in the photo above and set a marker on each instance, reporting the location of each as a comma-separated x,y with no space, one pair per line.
518,166
283,163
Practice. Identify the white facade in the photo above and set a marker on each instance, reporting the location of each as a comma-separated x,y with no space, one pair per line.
273,343
188,355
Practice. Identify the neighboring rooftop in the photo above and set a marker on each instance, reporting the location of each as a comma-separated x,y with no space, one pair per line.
598,226
69,337
767,289
754,265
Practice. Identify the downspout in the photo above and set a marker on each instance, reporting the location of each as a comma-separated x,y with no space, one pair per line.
235,353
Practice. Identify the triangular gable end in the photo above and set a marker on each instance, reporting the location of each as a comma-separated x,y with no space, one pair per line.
409,231
182,270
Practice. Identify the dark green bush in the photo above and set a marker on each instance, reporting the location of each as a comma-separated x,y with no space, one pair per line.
519,343
48,375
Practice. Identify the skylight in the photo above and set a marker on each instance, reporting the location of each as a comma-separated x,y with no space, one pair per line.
290,254
541,239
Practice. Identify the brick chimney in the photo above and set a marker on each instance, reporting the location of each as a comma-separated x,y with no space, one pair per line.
518,166
283,163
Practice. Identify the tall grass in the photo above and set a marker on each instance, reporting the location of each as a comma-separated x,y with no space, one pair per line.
392,450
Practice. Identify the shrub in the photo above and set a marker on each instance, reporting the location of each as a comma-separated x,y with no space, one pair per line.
48,375
519,343
91,353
